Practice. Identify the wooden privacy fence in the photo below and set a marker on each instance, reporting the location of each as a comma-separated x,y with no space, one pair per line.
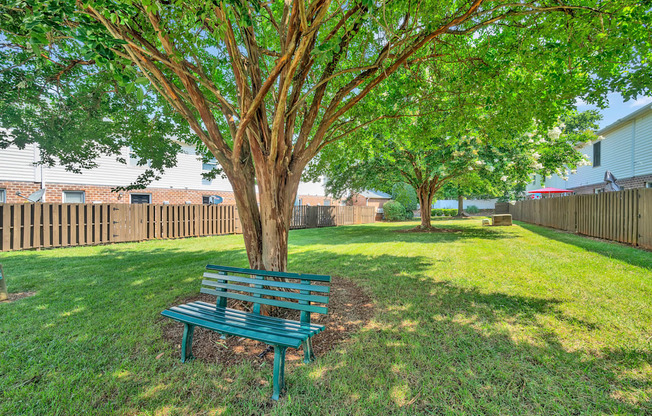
624,216
30,226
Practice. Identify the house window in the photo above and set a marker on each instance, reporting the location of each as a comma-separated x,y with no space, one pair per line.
647,185
209,166
596,154
141,198
598,190
3,196
327,202
74,197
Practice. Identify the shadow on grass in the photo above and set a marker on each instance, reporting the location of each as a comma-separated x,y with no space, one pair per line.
617,251
433,347
437,348
388,233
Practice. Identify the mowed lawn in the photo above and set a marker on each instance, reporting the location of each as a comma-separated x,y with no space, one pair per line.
512,321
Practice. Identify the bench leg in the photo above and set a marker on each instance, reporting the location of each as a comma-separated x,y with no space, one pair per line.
308,353
279,371
186,343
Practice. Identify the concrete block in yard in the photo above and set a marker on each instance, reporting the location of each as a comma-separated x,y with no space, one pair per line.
502,219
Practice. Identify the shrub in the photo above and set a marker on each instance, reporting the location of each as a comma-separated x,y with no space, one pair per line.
472,209
394,211
405,195
409,214
448,212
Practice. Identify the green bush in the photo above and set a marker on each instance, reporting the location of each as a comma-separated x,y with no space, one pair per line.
409,214
446,212
394,211
472,209
406,195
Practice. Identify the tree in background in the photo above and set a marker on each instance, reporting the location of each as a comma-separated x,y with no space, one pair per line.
429,151
264,86
574,127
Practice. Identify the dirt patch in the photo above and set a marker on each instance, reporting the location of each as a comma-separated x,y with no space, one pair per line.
349,309
17,296
430,230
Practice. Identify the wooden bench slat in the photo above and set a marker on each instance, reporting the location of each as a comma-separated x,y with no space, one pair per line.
268,320
268,283
271,302
282,275
267,292
231,330
231,321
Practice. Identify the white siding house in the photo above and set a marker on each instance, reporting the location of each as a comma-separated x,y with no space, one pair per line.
625,151
19,165
20,172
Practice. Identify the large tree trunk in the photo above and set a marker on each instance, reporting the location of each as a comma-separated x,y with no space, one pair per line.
460,205
425,194
265,216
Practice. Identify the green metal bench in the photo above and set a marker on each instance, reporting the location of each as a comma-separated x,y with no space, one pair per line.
253,286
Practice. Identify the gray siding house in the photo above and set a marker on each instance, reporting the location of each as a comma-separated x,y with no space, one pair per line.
625,151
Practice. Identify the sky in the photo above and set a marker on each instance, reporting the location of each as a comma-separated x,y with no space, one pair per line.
616,109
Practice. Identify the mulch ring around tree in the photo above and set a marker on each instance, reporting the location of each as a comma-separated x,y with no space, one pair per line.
12,297
349,309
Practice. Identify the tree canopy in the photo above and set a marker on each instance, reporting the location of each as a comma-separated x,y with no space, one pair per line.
265,86
464,139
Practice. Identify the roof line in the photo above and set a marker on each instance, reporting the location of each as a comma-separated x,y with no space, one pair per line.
625,119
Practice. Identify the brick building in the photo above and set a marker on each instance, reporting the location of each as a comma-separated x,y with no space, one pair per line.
370,198
183,184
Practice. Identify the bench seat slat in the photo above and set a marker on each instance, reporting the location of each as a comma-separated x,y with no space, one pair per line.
282,275
267,292
252,319
236,312
238,322
233,330
268,283
271,302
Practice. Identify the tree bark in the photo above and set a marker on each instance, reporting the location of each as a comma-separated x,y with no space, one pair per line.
460,205
266,215
426,195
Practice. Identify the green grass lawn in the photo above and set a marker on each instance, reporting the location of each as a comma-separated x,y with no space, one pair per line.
514,320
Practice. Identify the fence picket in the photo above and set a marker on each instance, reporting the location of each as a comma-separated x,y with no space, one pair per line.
624,216
25,226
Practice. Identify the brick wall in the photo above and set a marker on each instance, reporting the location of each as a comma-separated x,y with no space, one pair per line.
25,188
626,183
93,193
361,201
313,200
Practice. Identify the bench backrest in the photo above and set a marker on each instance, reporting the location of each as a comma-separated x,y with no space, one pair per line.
257,286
